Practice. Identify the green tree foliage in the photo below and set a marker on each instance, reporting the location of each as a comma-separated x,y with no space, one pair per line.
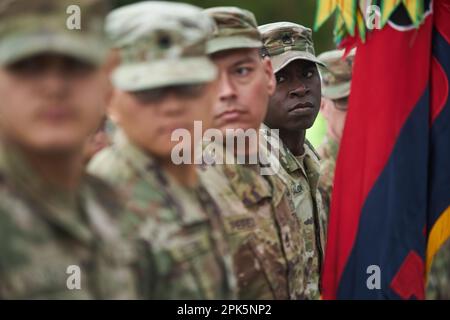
266,11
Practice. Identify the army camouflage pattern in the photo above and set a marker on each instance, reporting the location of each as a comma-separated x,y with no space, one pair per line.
438,286
285,42
181,228
31,27
159,44
301,176
328,151
262,229
235,28
44,230
337,76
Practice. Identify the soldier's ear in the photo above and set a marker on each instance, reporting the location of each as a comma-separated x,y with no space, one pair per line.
322,104
271,81
325,108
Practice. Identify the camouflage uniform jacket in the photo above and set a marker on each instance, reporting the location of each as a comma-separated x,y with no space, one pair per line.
301,176
263,231
60,245
185,253
328,151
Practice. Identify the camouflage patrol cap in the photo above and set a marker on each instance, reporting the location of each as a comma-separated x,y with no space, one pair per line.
160,44
336,78
236,28
285,42
69,27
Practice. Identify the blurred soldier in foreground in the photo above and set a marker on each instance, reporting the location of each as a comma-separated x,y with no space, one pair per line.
164,82
263,231
58,235
336,79
293,109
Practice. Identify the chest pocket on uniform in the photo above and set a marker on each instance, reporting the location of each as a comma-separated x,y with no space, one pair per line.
188,265
257,255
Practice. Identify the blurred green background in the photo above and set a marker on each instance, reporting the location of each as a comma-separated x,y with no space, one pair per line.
266,11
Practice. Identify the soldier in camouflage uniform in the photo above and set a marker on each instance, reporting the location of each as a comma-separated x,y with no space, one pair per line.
165,81
336,79
58,227
292,109
263,231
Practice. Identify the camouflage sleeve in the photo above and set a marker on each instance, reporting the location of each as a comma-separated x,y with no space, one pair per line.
12,258
325,187
438,286
7,256
326,200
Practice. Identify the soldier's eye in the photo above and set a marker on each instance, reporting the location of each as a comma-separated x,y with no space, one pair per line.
35,66
309,74
149,96
189,91
280,78
156,95
243,71
27,66
75,67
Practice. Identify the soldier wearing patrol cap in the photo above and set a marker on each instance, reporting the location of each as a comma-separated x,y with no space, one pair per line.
263,233
58,227
336,79
164,81
292,109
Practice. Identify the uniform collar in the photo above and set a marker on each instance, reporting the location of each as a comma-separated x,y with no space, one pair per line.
311,163
135,156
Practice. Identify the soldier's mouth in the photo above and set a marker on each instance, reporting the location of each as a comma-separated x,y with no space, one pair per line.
231,115
301,105
57,114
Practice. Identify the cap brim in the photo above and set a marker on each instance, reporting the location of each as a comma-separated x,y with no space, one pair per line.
281,60
145,76
227,43
72,44
337,91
